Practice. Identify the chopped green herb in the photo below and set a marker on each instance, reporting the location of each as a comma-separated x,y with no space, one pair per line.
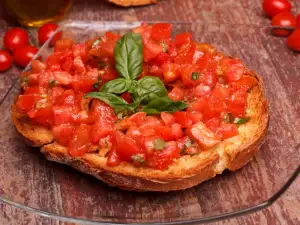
96,43
138,158
102,64
53,82
159,144
165,46
195,75
97,84
24,82
228,118
241,120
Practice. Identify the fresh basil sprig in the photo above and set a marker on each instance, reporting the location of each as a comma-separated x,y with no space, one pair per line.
148,91
148,88
116,86
163,104
116,102
129,56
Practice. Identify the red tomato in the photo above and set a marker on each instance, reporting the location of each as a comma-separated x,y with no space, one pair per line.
63,133
15,37
167,118
190,76
233,70
46,31
298,21
151,50
26,103
5,60
161,31
183,118
227,131
127,97
284,19
24,54
203,136
177,94
162,159
37,66
183,38
274,7
126,148
293,41
201,90
169,72
200,105
106,46
105,120
170,133
138,118
43,116
245,83
79,143
213,124
63,44
220,92
62,114
113,159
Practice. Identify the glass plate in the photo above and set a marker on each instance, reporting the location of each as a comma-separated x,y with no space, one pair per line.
30,182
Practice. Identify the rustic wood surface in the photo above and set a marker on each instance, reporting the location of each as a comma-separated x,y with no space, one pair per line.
246,26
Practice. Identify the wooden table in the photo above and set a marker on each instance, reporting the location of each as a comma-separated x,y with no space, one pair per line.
247,12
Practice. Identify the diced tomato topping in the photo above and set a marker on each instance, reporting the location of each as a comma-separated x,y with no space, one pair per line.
177,94
227,131
203,136
126,148
162,159
79,143
213,86
63,133
183,38
167,118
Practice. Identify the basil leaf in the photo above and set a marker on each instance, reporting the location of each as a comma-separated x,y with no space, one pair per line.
116,102
149,88
128,55
163,104
116,86
241,120
195,75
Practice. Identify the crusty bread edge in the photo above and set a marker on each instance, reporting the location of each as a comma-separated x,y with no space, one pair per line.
177,176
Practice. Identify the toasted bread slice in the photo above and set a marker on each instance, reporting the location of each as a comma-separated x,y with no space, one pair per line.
185,172
127,3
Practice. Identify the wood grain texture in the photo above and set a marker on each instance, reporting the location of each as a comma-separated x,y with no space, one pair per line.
279,67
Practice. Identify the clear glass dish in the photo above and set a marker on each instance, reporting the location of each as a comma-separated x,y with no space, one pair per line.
30,182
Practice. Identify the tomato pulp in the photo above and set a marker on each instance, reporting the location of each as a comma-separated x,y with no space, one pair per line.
214,88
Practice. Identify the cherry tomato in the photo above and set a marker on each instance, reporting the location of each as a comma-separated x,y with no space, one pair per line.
298,21
293,41
46,31
5,60
284,19
15,37
274,7
24,54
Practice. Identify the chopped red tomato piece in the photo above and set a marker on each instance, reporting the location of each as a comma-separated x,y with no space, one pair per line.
63,133
162,159
183,38
79,143
227,131
203,136
126,148
177,94
167,118
161,31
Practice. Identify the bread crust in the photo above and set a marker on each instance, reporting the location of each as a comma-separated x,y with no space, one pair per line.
185,172
127,3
